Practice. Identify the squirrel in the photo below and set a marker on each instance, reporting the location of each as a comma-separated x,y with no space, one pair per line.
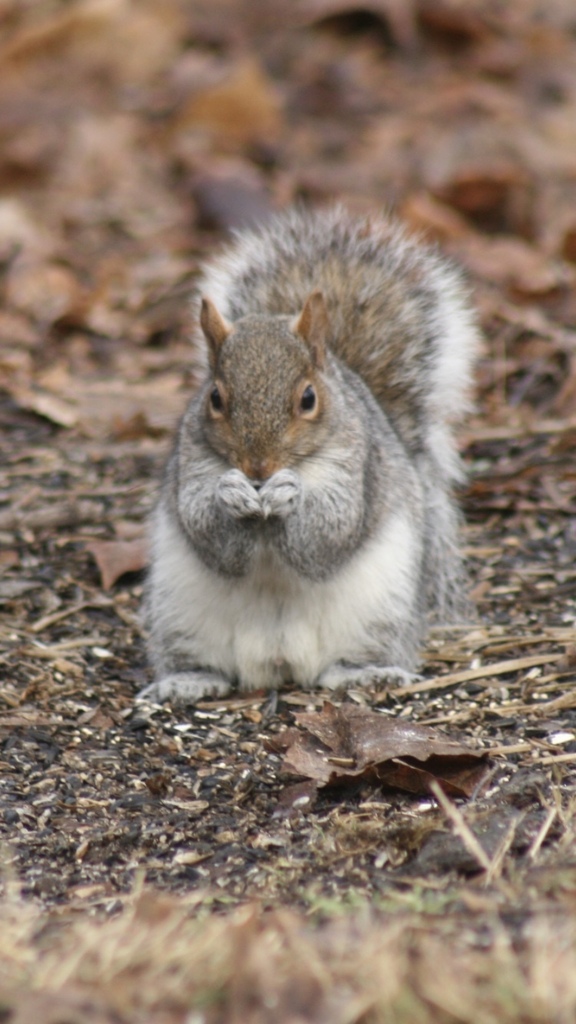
306,529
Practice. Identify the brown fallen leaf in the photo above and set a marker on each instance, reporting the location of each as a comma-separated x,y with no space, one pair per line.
338,744
516,265
455,777
50,407
45,291
242,109
454,20
105,406
399,16
116,557
429,217
134,427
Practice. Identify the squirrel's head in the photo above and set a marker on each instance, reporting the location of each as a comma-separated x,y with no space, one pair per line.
266,397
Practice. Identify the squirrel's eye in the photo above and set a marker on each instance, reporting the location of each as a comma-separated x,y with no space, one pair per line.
216,399
308,400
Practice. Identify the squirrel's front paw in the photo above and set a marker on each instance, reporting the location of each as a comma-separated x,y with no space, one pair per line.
280,494
237,495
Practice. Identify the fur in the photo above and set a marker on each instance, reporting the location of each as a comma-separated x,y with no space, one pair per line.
324,571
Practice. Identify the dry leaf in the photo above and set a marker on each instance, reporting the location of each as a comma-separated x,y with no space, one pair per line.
454,20
116,557
108,406
45,291
349,742
60,412
399,16
512,262
244,108
433,219
134,427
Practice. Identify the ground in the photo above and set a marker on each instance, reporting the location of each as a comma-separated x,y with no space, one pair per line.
152,867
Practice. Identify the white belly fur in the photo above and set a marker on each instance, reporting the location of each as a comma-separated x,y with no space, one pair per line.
272,624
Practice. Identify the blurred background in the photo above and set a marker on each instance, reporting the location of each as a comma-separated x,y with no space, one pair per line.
134,134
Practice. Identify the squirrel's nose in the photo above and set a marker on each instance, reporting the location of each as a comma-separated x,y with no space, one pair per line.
257,470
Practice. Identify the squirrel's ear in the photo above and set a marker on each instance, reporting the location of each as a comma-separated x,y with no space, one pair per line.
313,326
216,329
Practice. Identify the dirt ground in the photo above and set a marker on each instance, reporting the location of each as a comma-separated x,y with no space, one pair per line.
152,867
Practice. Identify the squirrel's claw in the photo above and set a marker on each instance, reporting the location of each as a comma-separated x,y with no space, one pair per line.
280,494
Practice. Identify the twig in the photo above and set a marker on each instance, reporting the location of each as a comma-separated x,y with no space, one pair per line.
542,833
512,748
38,650
556,759
461,827
499,668
66,613
498,859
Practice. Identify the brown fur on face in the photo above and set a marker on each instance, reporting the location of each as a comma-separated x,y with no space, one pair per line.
262,368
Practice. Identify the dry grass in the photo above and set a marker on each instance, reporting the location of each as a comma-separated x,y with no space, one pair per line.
157,961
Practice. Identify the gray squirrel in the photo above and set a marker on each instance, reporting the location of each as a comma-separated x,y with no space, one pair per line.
306,528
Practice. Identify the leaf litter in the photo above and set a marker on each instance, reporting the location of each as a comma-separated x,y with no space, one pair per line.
162,864
341,744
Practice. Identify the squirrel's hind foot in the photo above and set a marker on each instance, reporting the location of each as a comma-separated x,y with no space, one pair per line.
341,676
186,687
